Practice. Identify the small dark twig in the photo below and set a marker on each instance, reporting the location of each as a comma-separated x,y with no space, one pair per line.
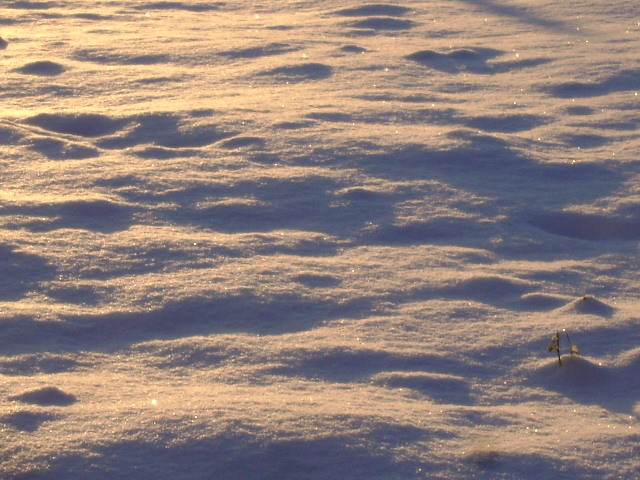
555,345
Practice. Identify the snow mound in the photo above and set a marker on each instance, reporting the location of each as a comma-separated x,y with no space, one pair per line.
612,387
83,125
46,396
589,305
374,9
589,226
300,73
470,60
186,6
486,287
439,387
383,23
26,421
575,371
42,68
541,301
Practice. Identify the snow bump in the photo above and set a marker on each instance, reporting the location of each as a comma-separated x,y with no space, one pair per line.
47,396
589,226
27,421
374,9
589,305
300,73
79,124
44,68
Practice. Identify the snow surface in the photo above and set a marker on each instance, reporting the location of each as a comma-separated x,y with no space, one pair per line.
319,240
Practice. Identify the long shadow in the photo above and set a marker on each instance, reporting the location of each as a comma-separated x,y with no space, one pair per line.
297,73
56,149
490,167
509,181
513,185
382,24
521,14
471,60
348,365
107,58
307,204
31,5
613,388
622,81
187,6
312,204
236,454
98,215
157,129
83,125
525,193
270,49
243,312
491,464
164,130
610,227
38,363
377,10
431,375
364,451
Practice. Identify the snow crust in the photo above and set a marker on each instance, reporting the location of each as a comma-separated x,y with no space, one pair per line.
319,240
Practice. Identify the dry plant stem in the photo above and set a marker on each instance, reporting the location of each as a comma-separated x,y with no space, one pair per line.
570,344
558,349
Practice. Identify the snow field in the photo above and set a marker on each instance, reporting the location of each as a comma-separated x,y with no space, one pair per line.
319,240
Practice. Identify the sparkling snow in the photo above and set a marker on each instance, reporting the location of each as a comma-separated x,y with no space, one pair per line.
319,240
